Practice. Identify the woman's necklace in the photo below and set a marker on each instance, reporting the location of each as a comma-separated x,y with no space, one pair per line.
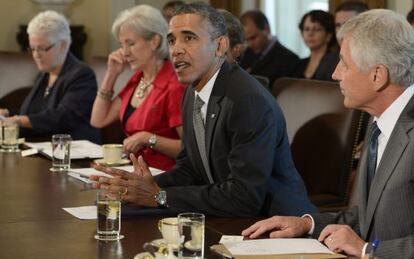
142,88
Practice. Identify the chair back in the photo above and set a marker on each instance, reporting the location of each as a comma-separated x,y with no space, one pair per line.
323,135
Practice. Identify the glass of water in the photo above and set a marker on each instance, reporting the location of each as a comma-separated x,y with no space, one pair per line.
191,228
60,152
10,136
109,216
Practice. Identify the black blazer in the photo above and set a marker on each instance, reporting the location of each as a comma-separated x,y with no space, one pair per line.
324,70
278,62
248,151
69,105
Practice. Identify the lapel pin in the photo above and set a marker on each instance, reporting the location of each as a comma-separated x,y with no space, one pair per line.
213,116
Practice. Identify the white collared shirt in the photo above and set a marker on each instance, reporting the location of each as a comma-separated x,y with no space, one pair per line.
387,120
205,94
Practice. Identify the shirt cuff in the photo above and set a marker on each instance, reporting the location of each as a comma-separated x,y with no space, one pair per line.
364,249
313,224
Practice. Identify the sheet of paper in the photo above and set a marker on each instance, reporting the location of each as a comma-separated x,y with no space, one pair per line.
277,247
86,172
79,149
84,212
228,238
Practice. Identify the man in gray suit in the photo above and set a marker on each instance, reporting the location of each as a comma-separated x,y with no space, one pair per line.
376,74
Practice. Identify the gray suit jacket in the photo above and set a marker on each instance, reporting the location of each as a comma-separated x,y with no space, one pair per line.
389,212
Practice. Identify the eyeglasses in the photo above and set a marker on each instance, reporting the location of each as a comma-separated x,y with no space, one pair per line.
41,50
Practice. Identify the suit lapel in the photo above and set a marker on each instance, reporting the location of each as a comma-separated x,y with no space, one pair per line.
214,107
393,151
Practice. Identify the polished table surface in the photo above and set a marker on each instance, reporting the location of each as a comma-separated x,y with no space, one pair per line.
34,225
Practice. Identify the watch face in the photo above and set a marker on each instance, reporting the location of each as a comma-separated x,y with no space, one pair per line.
161,197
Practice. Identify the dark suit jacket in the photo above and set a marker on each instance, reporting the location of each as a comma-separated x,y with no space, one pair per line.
324,70
389,212
69,105
278,62
248,151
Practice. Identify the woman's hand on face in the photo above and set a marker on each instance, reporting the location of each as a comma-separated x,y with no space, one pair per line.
116,62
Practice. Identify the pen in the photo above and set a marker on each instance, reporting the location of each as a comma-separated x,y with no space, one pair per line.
374,247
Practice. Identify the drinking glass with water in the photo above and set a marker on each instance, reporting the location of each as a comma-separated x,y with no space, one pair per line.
61,152
191,228
109,215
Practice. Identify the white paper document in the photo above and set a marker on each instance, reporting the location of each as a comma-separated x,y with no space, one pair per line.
84,212
79,149
278,246
228,238
83,174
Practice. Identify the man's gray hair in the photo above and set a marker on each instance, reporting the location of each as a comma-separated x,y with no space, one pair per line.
215,19
52,24
382,37
147,22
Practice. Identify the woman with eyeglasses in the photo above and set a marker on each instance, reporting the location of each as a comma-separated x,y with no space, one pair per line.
62,96
149,106
318,32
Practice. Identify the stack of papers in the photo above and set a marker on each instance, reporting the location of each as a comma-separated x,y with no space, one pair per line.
275,248
79,149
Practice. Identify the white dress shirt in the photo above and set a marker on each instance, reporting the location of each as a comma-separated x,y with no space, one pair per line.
205,94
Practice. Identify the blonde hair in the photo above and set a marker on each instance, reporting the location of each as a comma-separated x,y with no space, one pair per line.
147,22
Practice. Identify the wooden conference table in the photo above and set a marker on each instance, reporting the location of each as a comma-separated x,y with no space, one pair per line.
33,224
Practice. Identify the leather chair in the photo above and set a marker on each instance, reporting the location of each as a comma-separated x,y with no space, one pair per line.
263,80
323,135
17,71
112,133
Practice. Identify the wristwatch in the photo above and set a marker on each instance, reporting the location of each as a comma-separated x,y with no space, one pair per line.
152,141
161,198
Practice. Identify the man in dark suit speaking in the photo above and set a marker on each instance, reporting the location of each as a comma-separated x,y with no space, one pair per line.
376,74
236,158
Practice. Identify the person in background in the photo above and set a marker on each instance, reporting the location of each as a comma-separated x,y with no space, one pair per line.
149,106
236,158
236,36
381,82
62,95
318,32
265,55
346,11
169,8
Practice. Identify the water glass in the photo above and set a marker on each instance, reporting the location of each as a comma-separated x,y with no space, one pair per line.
109,216
60,152
10,137
191,228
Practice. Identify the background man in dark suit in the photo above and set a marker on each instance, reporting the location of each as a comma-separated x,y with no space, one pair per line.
265,55
380,82
236,158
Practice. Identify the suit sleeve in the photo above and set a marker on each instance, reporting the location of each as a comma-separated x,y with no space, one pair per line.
252,127
74,106
348,217
396,248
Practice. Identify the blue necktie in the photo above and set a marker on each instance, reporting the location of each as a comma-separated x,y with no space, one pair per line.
372,154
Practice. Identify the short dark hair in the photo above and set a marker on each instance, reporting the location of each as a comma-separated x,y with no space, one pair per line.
325,19
173,5
234,28
215,19
258,18
410,16
356,6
